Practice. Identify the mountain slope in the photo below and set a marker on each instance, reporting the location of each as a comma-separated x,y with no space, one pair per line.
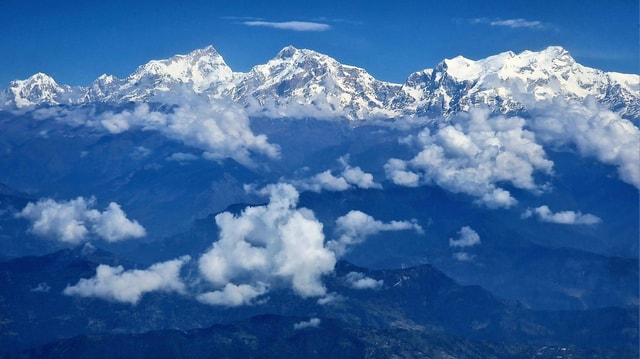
305,82
302,83
420,299
503,81
270,336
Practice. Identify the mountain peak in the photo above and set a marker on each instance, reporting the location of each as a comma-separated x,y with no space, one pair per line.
287,52
40,88
199,70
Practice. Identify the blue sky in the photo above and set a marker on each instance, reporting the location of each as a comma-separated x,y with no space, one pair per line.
75,41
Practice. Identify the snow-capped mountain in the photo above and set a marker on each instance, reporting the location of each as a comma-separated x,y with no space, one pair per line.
503,81
39,89
304,83
199,71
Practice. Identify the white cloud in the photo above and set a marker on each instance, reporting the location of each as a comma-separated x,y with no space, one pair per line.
330,298
355,226
273,243
463,256
113,225
234,295
563,217
73,221
140,152
471,154
291,25
220,128
279,244
311,323
467,237
182,157
116,284
360,281
511,23
594,130
42,288
349,178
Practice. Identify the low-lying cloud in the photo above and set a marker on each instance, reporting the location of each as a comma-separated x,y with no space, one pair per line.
218,127
116,284
354,227
594,130
563,217
74,221
472,154
276,242
350,177
279,244
234,295
221,130
467,237
359,281
311,323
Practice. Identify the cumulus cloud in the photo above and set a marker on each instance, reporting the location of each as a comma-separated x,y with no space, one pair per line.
73,221
467,237
113,225
278,245
593,130
564,217
116,284
350,177
471,154
311,323
354,227
221,130
276,242
234,295
359,281
291,25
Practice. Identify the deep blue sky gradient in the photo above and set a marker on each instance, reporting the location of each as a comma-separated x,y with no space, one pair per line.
76,41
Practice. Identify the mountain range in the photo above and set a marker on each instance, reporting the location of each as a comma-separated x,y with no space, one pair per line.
305,83
482,208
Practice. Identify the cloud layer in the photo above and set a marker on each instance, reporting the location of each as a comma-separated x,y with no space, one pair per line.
221,130
593,130
75,220
564,217
472,154
116,284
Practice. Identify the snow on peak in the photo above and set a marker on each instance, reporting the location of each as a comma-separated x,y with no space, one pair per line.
297,80
37,89
198,70
302,82
501,81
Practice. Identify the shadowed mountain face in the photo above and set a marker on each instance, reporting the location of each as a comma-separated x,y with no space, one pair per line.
418,303
271,336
